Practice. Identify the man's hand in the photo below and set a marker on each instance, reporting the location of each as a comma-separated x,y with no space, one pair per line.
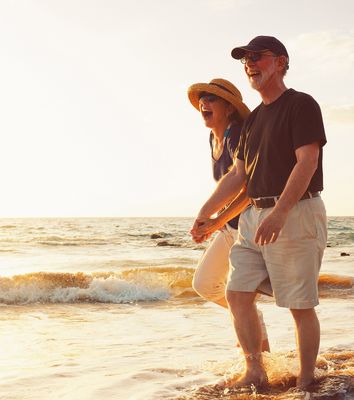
268,231
203,228
199,230
299,179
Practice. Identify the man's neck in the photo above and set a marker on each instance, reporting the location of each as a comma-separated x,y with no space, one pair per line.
272,92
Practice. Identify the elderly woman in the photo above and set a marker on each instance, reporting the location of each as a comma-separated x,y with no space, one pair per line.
223,111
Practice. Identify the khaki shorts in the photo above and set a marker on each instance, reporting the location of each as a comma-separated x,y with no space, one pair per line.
291,264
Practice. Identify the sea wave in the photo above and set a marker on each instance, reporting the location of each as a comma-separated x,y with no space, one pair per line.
340,231
71,241
75,288
127,286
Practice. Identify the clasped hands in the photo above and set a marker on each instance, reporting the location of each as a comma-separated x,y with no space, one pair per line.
267,232
203,228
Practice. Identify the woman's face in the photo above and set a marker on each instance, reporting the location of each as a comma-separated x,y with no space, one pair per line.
215,110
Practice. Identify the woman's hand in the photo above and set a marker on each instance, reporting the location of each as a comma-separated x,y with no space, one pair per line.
203,228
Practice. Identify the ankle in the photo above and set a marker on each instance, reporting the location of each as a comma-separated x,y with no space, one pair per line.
253,356
254,362
305,379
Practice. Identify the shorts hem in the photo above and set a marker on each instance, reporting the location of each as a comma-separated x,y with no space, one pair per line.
248,290
297,306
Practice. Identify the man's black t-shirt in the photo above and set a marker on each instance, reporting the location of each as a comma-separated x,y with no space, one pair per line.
269,138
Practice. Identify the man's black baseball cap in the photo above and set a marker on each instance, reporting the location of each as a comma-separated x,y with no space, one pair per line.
261,43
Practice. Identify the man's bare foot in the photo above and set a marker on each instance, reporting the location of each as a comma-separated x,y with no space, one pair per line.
265,345
225,382
258,379
303,382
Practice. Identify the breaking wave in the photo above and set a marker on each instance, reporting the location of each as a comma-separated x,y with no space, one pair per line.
126,286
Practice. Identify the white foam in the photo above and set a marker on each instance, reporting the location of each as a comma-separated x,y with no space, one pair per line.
110,290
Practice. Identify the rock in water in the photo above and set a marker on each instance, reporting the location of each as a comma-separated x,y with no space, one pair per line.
156,236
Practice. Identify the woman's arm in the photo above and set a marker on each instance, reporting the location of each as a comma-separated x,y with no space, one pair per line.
210,225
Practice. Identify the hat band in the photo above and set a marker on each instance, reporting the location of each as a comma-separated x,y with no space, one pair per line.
222,87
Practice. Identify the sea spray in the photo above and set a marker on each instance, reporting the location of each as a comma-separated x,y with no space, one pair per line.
334,379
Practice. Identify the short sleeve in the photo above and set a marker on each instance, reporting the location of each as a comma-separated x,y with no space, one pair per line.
240,149
233,140
307,123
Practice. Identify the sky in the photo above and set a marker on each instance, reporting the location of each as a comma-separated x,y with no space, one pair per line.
95,119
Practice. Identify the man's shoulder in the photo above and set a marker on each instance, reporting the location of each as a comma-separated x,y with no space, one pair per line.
297,96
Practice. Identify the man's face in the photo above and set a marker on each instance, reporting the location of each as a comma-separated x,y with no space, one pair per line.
260,68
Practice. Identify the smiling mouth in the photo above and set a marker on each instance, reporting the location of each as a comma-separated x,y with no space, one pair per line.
253,74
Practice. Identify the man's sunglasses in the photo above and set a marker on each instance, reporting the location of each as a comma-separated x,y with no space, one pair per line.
254,57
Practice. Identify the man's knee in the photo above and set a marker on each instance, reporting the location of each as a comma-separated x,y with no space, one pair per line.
237,300
301,314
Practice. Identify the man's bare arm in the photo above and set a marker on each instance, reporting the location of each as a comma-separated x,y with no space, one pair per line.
298,181
210,225
228,188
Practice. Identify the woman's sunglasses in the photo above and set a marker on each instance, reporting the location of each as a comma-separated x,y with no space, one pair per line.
210,98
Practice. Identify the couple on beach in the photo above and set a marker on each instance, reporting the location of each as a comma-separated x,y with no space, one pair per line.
270,216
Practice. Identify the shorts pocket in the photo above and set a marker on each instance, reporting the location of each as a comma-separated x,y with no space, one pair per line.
300,223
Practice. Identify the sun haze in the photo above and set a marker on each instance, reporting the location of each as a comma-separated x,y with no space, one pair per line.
95,117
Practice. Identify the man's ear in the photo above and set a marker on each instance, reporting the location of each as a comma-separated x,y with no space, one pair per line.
283,62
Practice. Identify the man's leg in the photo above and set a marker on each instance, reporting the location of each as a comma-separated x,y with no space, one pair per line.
248,330
293,263
210,276
308,341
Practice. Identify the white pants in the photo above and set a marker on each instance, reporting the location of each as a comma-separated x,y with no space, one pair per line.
210,276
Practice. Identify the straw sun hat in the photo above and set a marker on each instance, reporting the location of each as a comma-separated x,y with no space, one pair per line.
221,88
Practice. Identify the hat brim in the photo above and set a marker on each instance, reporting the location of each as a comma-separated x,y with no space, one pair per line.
195,91
239,52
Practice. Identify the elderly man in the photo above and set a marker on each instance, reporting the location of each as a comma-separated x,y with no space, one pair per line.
282,235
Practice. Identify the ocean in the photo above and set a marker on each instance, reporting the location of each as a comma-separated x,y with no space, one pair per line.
103,308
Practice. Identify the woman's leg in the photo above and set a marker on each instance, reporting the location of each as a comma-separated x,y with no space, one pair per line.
211,274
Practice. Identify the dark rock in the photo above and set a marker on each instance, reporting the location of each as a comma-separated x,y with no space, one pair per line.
344,254
163,243
156,236
166,243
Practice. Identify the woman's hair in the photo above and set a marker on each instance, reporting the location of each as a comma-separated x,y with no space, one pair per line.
235,117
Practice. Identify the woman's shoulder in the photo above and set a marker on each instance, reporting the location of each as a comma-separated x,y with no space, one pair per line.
234,135
235,129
